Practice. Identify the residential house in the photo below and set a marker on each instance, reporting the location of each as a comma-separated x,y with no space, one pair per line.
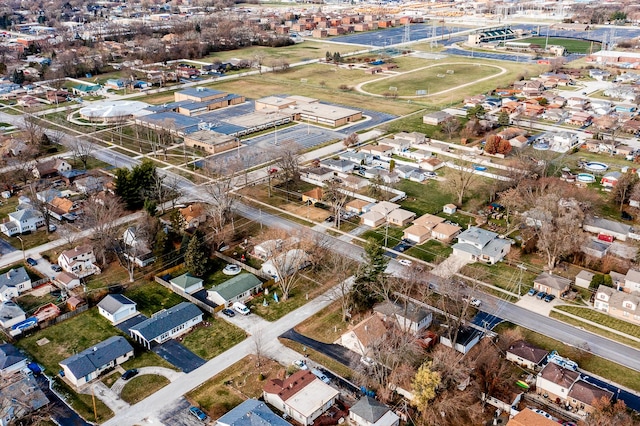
551,284
583,279
87,365
11,359
369,412
386,176
186,283
358,206
466,339
610,179
409,172
251,413
601,226
313,196
236,289
399,145
13,283
445,231
90,184
361,158
431,164
20,396
341,166
436,118
137,248
477,244
50,168
22,221
526,354
378,150
85,89
166,324
301,396
79,261
286,263
528,417
10,314
580,118
364,335
373,218
529,88
631,281
117,308
400,217
583,396
67,280
193,215
269,248
60,207
409,318
618,304
414,137
555,381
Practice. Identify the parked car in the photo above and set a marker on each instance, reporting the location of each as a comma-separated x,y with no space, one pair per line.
31,261
532,292
301,364
549,298
541,295
405,262
473,302
367,361
241,308
198,413
52,228
320,375
232,269
130,373
228,312
56,268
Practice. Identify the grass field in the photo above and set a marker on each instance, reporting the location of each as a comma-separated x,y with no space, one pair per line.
603,319
429,79
594,329
571,45
141,387
152,297
208,341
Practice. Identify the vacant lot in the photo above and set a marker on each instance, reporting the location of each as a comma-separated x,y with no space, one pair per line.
243,380
210,340
294,53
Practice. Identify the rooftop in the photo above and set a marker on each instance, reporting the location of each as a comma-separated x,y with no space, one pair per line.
166,320
97,356
113,302
236,286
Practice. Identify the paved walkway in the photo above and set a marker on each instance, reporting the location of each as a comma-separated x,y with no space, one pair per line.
106,395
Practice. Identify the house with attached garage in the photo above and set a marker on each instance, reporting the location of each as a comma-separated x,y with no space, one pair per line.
117,308
477,244
526,355
421,229
87,365
302,396
22,221
13,283
50,168
370,412
166,324
79,261
551,284
236,289
251,413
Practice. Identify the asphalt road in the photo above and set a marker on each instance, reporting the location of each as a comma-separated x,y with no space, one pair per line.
337,352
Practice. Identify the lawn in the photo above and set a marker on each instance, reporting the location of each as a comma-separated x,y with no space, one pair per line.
141,387
333,365
297,297
67,338
600,366
210,340
433,79
151,297
501,275
393,235
426,197
228,389
594,329
603,319
431,251
325,326
144,358
30,303
571,45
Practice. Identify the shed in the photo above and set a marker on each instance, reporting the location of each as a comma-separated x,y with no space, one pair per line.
449,209
186,283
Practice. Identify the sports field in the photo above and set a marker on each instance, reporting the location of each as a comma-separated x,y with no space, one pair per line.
572,45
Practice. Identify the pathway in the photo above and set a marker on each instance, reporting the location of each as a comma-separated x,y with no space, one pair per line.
160,371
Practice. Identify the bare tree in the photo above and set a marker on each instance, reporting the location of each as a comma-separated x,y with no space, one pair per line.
351,140
33,129
450,126
288,163
288,257
337,195
460,178
101,214
623,188
41,204
134,243
82,150
342,268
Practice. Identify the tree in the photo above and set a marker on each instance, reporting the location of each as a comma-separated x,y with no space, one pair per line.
606,413
350,140
336,195
341,268
624,188
424,385
100,215
196,258
476,112
288,164
369,272
461,178
374,189
41,205
496,145
450,126
133,184
504,119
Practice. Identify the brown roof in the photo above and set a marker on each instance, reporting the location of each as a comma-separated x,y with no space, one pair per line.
316,193
428,220
192,212
75,301
357,204
66,277
63,204
558,375
77,251
369,330
446,229
527,417
526,350
588,393
288,387
554,281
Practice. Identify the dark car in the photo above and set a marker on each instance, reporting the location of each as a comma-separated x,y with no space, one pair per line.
198,413
56,268
549,298
130,373
229,312
541,295
32,261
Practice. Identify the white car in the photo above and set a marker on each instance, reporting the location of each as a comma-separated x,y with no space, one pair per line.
473,302
301,364
231,269
405,262
241,308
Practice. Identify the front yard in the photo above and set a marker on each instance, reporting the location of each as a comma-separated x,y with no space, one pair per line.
141,387
210,340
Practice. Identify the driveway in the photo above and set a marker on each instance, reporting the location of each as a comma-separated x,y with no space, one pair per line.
449,267
177,414
252,323
536,305
5,247
160,371
337,352
61,412
175,353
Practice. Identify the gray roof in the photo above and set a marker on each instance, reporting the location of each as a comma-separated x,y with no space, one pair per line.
9,355
9,310
113,302
97,356
369,409
413,312
237,285
166,320
252,413
14,277
585,275
200,92
554,281
25,214
476,236
609,225
185,281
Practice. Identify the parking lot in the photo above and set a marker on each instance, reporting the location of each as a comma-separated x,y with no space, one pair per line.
395,35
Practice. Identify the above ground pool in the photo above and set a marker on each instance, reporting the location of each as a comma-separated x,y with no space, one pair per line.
595,166
585,178
541,145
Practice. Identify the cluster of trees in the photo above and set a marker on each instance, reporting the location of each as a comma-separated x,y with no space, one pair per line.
333,57
496,145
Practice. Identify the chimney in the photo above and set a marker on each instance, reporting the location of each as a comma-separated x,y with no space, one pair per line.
190,208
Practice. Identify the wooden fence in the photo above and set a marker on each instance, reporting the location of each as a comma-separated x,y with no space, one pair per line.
199,303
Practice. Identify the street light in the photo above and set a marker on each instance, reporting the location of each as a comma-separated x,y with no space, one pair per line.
24,256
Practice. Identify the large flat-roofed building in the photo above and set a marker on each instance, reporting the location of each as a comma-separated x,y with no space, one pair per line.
198,94
196,100
211,142
309,109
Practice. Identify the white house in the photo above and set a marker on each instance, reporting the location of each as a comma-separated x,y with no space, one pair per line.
137,248
11,359
21,221
87,365
186,283
236,289
364,335
370,412
411,318
526,355
286,263
302,396
166,324
13,283
598,225
79,261
465,340
555,381
117,308
10,314
67,280
477,244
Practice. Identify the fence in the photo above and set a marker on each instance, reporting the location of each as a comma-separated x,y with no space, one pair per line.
244,266
199,303
62,317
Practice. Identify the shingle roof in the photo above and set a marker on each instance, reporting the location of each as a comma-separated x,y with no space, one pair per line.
588,393
14,277
9,355
413,312
185,281
236,286
112,302
369,409
252,413
553,281
166,320
528,351
96,356
559,375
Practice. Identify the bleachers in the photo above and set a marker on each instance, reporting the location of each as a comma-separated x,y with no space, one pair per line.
497,34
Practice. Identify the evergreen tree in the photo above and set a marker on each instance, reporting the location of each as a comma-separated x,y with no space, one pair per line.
162,246
503,119
196,259
186,239
131,185
371,271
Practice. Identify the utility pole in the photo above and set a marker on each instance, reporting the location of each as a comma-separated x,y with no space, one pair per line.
522,268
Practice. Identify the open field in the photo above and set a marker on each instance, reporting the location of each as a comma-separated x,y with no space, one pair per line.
208,341
603,319
571,45
141,387
433,79
241,381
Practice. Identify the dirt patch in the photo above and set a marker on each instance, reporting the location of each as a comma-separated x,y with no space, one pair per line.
308,212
